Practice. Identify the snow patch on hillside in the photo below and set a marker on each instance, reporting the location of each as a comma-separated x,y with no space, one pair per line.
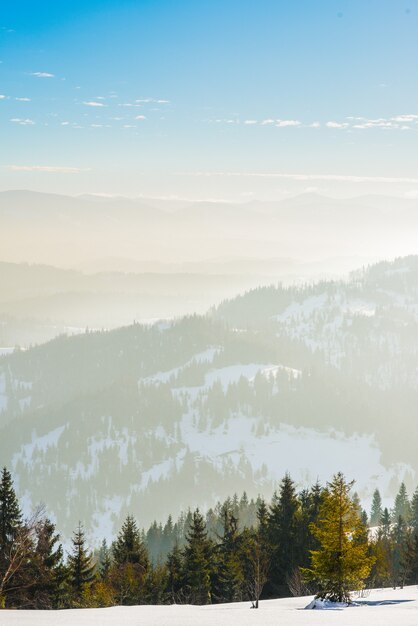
304,452
38,444
206,356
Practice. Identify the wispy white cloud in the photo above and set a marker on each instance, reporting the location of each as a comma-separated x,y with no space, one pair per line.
22,122
405,118
286,123
23,99
54,169
93,103
140,117
397,122
333,124
307,177
3,97
43,74
152,101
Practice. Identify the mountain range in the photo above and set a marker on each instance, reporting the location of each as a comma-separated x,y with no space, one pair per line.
150,419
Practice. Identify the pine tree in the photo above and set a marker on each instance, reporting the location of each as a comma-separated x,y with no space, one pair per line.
228,580
412,574
11,531
129,547
256,555
402,506
130,564
10,514
400,564
283,534
105,561
376,510
175,574
414,511
198,561
80,565
385,522
341,564
47,567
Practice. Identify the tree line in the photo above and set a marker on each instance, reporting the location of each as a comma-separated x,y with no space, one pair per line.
318,540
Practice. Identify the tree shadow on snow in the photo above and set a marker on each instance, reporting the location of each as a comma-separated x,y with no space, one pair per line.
379,602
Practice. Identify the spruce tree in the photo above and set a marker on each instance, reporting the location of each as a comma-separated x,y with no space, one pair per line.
175,574
10,514
105,561
400,563
412,573
198,561
228,579
11,530
376,510
341,564
414,511
283,520
129,547
256,555
47,567
80,565
402,506
130,564
385,522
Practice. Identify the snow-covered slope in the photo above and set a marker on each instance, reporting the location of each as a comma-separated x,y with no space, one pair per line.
153,419
383,607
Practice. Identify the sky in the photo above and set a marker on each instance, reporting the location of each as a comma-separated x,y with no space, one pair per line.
211,99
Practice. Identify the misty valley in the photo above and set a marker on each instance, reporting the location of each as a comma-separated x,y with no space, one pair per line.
151,418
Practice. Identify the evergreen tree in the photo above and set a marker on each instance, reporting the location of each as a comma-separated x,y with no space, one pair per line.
130,564
256,555
402,506
47,567
376,510
80,566
400,563
104,562
228,580
341,564
414,511
10,514
175,574
385,522
198,561
412,572
283,519
11,531
129,547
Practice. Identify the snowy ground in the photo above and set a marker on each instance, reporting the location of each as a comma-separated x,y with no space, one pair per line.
383,607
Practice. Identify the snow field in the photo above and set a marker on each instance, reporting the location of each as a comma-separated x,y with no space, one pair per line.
400,609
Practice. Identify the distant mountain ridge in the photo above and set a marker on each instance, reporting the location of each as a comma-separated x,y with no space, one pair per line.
58,230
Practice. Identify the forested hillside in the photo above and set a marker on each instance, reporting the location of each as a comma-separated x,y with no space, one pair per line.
147,419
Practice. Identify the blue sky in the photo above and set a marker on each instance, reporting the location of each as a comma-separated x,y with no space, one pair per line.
208,98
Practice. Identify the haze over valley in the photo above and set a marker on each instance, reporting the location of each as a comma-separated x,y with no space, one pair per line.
208,312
